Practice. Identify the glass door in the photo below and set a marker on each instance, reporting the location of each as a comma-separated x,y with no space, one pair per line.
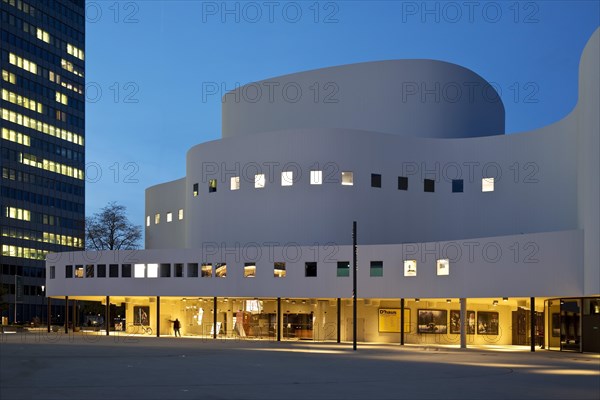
570,325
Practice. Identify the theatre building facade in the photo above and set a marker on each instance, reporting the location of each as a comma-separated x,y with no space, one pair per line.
464,235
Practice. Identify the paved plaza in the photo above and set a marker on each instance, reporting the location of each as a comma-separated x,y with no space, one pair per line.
60,366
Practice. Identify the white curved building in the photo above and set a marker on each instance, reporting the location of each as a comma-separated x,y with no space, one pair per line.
257,237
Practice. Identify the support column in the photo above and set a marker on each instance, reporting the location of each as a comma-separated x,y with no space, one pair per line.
215,317
401,322
157,316
533,320
74,317
339,320
66,314
354,294
49,313
463,323
107,315
279,319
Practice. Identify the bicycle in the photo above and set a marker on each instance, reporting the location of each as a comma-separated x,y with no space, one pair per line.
146,329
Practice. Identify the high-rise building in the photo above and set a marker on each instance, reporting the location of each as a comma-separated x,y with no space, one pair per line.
42,119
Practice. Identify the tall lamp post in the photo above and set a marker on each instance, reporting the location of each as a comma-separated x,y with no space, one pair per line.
354,285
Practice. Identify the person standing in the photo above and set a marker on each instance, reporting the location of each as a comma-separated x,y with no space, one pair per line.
176,327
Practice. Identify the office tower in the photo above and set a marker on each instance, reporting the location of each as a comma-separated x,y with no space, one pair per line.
43,159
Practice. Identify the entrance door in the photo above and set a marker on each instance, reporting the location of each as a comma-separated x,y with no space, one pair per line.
570,324
360,329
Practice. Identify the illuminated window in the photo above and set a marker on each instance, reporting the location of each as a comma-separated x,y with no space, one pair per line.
347,178
287,178
376,268
206,270
22,101
169,216
74,51
249,270
429,185
148,220
43,35
195,190
152,271
51,166
235,183
376,180
259,181
180,214
17,137
39,126
310,269
443,266
62,98
316,177
279,270
212,185
139,271
410,267
343,268
9,77
69,66
17,213
221,270
156,219
23,63
79,271
487,185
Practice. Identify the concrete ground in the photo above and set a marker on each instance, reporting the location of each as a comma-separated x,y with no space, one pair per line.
59,366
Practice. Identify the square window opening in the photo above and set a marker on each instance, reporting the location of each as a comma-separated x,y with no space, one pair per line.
376,180
249,270
206,271
410,267
429,185
347,178
235,183
343,268
287,178
212,185
310,269
402,183
279,270
259,181
457,185
316,177
376,268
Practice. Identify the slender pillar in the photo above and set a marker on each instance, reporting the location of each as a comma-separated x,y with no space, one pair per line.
339,320
532,315
354,294
49,313
215,317
401,322
157,316
74,315
279,319
66,314
107,315
463,323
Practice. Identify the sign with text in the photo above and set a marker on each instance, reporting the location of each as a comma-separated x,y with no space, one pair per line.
389,320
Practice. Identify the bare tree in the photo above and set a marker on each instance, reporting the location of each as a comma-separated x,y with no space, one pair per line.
110,229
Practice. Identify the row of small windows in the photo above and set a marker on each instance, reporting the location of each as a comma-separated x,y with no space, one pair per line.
42,181
42,90
347,179
28,290
169,216
34,272
54,149
219,270
49,20
43,127
52,166
43,200
23,252
41,218
42,237
22,101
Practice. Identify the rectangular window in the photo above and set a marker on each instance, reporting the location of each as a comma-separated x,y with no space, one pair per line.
279,270
156,219
402,183
316,177
347,178
52,271
235,183
429,185
89,271
376,268
139,271
125,270
152,271
249,270
287,178
310,269
259,181
376,180
410,267
195,190
178,270
148,220
101,270
169,216
487,185
443,267
457,185
212,185
79,271
192,270
180,214
68,271
221,270
165,270
113,271
206,271
343,268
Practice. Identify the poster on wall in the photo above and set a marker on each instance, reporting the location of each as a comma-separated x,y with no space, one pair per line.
455,322
487,323
432,321
389,320
141,315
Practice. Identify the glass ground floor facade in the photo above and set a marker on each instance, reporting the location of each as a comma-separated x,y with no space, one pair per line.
569,324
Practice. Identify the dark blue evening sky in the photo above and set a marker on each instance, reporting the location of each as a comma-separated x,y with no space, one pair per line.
148,61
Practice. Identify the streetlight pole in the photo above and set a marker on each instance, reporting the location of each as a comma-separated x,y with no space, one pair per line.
354,285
